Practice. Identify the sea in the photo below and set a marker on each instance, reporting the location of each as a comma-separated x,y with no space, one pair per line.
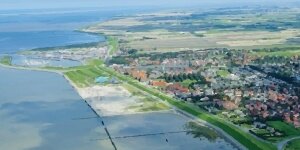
30,29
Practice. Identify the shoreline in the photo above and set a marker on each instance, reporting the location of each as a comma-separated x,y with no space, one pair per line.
172,109
31,69
222,133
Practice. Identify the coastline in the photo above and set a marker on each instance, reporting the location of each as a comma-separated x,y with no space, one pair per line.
228,138
222,133
31,69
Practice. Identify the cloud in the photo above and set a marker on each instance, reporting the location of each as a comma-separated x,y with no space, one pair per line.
17,136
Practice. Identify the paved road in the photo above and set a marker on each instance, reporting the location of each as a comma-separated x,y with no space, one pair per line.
282,144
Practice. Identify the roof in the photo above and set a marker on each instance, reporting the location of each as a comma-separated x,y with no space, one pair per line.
101,79
178,87
159,83
139,74
229,105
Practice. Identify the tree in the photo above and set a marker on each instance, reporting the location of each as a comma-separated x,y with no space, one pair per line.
190,76
184,76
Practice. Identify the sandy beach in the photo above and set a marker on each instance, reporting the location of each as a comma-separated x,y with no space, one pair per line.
109,100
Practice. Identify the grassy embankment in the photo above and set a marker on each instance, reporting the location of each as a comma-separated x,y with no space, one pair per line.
113,45
85,75
6,60
246,139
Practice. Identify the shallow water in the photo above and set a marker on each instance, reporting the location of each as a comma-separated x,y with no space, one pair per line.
24,30
11,42
29,29
161,131
41,111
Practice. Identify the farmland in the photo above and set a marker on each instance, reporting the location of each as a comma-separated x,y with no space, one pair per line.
231,28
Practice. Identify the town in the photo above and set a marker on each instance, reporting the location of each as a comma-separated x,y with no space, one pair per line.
258,93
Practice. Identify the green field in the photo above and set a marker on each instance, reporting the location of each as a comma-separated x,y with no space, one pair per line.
293,145
240,28
287,129
285,53
113,44
84,76
244,138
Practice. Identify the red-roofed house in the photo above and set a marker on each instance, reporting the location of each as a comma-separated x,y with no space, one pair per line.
159,84
176,87
139,75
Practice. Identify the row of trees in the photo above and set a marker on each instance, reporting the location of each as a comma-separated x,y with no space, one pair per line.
274,49
285,76
272,60
183,76
118,60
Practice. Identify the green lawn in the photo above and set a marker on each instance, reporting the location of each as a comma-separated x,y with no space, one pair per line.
84,76
222,73
287,129
244,138
187,83
95,62
293,145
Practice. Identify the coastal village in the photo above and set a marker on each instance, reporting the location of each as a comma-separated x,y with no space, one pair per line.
255,92
224,82
250,96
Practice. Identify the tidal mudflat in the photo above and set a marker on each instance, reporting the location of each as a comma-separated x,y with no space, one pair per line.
109,100
162,131
41,111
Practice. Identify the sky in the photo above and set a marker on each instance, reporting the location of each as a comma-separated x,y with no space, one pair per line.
42,4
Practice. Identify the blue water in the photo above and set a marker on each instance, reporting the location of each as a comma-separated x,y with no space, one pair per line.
15,41
28,29
41,111
23,30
